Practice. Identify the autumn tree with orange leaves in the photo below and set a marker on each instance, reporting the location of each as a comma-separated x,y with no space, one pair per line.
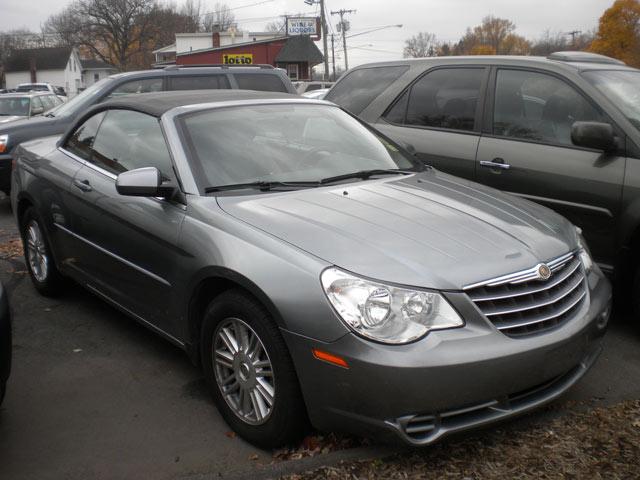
618,33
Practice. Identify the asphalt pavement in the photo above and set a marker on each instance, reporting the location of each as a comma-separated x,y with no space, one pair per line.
95,395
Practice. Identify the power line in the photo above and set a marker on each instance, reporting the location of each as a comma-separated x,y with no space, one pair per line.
343,28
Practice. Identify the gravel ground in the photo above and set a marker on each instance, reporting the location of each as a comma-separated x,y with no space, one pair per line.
595,443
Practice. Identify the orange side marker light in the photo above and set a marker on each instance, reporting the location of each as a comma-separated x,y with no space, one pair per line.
330,358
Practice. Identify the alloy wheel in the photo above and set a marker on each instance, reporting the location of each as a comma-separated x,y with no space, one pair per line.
243,371
36,252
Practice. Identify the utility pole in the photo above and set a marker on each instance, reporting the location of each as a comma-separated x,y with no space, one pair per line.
573,34
343,28
324,28
333,56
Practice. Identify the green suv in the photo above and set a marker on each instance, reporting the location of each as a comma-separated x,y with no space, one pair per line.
563,131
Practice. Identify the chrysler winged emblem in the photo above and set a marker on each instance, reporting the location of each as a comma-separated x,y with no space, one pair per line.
544,272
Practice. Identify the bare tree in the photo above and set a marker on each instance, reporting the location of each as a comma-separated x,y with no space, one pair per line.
219,20
424,44
276,26
191,11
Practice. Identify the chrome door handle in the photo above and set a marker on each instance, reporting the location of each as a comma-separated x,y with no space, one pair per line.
83,185
496,163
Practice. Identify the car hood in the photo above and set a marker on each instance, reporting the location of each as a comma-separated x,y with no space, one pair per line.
429,229
25,122
11,118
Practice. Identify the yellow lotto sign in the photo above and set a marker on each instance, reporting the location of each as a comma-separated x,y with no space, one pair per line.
238,58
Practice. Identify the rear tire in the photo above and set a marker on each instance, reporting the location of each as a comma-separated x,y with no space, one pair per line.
250,373
37,254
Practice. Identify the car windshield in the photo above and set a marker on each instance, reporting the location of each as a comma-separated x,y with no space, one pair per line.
284,143
71,107
32,88
622,87
14,106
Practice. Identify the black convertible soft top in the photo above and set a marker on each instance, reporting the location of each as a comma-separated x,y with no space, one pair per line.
158,103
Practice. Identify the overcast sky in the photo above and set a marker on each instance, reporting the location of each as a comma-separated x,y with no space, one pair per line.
447,19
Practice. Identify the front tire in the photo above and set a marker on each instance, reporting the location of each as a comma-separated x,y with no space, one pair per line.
37,253
250,373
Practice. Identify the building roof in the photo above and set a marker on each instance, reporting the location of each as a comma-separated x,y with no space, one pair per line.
232,45
45,59
300,49
93,64
158,103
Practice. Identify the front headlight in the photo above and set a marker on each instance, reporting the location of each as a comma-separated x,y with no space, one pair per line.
386,313
4,143
585,254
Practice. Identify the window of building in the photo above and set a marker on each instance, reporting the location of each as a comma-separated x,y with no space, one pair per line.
96,77
292,71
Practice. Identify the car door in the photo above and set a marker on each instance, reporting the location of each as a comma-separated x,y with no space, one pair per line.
439,115
527,150
132,240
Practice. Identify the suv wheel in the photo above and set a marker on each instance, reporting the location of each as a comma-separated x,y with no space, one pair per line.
249,371
42,268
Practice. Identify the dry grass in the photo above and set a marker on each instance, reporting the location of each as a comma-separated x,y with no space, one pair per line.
595,444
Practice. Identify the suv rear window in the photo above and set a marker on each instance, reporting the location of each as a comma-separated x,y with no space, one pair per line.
360,87
264,82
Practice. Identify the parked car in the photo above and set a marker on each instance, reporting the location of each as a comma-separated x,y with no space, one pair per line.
302,258
258,77
43,87
20,106
5,342
304,87
316,94
562,131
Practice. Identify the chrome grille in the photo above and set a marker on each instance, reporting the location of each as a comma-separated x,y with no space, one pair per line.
520,304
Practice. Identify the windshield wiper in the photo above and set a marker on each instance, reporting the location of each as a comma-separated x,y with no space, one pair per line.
365,174
261,185
50,115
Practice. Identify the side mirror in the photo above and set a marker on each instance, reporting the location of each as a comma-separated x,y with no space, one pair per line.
143,182
408,147
37,111
599,136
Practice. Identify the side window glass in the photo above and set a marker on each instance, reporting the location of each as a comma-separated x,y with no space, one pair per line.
446,98
47,102
360,87
199,82
265,82
80,142
128,140
146,85
36,103
539,107
397,112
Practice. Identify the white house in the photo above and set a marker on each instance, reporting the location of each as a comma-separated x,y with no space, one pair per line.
59,66
95,70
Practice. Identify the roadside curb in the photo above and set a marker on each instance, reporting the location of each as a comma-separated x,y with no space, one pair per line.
290,467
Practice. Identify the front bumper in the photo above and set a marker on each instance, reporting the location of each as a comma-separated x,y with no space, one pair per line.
451,380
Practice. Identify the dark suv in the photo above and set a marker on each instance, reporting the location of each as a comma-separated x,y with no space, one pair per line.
258,77
563,131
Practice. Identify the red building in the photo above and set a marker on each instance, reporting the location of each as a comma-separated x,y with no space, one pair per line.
297,55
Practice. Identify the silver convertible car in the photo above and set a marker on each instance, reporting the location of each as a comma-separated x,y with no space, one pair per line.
313,268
